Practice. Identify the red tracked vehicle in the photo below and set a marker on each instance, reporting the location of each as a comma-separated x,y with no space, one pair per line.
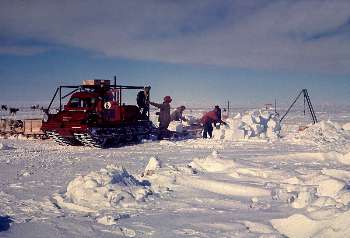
95,116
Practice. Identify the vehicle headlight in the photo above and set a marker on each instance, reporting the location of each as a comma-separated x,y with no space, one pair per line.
45,117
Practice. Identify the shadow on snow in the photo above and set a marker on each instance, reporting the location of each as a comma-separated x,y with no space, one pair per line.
5,223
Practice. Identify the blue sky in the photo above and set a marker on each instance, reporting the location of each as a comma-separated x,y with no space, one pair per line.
201,52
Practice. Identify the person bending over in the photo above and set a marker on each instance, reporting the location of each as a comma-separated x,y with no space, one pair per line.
177,114
207,120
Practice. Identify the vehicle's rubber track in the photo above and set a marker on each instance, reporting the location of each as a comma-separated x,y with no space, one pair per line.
62,140
87,140
110,137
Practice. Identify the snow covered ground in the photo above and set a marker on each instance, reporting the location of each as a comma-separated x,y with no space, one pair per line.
293,186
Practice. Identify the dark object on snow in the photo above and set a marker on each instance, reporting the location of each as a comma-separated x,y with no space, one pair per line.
13,111
3,107
218,114
5,222
306,99
208,130
142,101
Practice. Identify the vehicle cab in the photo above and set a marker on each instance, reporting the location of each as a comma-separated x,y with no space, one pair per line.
82,101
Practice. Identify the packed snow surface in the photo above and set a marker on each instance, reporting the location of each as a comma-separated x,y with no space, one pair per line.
5,147
256,178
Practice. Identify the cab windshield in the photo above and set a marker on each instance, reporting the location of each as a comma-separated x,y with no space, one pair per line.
82,102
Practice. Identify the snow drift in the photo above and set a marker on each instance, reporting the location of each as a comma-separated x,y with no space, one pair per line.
109,187
300,226
325,197
213,163
171,177
322,133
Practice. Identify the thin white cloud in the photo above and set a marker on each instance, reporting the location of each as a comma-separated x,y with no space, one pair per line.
21,50
274,35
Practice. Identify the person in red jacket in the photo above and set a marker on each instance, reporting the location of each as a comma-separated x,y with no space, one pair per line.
207,120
